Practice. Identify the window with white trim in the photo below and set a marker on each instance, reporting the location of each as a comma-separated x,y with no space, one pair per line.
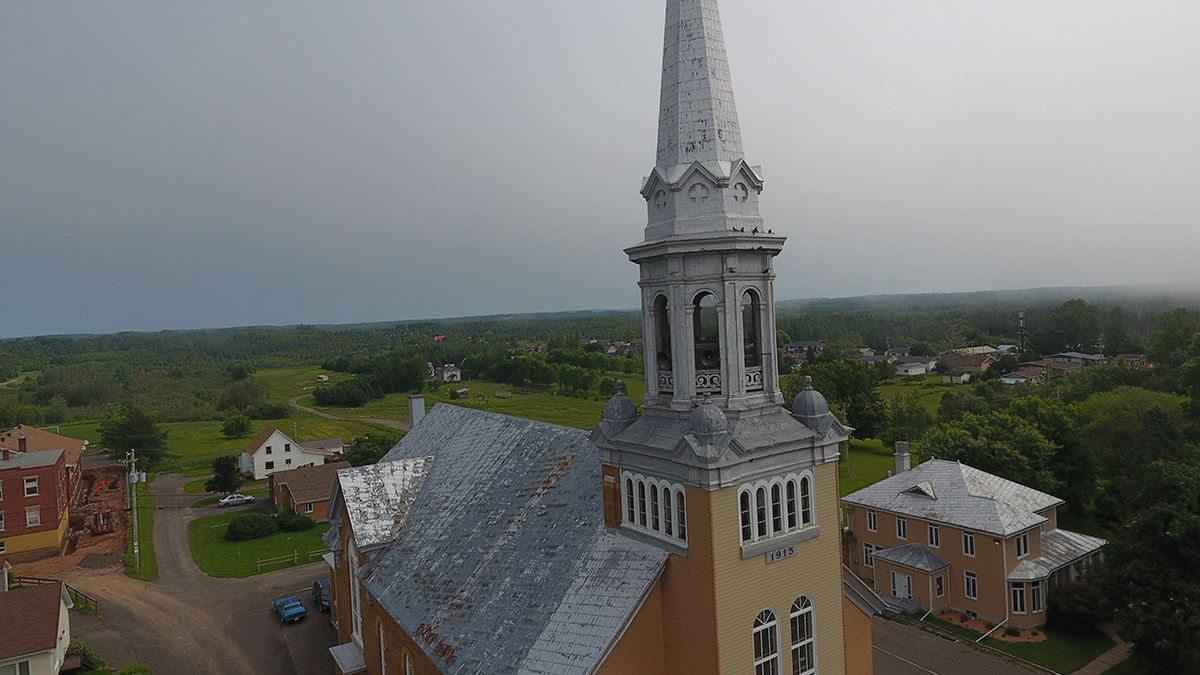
872,521
407,664
1035,597
869,555
382,651
804,644
766,643
901,527
969,544
270,465
775,506
654,506
287,447
308,507
939,582
970,586
31,486
1023,545
18,668
935,536
268,449
288,461
1,489
3,546
1,521
33,516
1018,597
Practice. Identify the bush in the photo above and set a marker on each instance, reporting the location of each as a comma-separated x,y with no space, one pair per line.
135,669
1012,631
1075,607
250,525
290,521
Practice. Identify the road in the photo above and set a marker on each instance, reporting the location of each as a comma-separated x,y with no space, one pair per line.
186,622
394,424
903,649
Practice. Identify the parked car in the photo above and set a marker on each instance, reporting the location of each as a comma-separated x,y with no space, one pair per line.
235,499
321,594
289,608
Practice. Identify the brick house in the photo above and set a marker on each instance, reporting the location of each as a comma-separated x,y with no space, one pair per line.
305,490
944,535
24,438
33,504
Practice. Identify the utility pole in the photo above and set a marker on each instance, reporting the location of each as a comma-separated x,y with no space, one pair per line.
132,479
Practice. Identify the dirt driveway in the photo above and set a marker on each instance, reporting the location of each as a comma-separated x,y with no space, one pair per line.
186,622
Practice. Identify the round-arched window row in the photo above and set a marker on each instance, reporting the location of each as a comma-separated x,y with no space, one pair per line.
654,506
777,506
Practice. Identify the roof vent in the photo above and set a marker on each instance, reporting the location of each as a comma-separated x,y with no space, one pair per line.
924,488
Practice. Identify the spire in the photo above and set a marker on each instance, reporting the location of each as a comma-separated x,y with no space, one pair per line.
697,117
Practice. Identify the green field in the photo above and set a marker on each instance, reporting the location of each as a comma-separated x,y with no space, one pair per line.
928,389
544,405
217,557
867,463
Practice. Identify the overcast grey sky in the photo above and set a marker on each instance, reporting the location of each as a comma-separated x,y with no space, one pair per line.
205,164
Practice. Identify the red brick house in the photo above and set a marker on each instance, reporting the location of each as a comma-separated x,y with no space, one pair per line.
305,490
33,504
24,438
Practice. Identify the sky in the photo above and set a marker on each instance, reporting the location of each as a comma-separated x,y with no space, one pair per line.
172,165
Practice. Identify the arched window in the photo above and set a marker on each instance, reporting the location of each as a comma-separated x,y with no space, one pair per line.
766,643
760,499
641,503
630,507
661,317
776,509
750,333
747,529
791,504
668,514
681,515
806,513
706,331
654,524
804,645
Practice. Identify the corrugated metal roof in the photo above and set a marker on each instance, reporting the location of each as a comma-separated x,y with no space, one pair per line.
966,498
503,564
914,556
1059,549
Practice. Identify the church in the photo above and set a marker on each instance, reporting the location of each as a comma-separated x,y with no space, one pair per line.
698,534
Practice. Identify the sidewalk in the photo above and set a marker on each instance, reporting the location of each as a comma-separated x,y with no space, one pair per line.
1109,658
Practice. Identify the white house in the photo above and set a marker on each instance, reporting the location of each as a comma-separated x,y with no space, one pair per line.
273,451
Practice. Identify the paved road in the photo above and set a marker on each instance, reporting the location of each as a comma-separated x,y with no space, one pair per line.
394,424
902,649
186,622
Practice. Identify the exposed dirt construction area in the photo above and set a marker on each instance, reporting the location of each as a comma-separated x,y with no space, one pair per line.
186,622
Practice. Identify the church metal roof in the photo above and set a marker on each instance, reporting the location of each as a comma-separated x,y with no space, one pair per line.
503,563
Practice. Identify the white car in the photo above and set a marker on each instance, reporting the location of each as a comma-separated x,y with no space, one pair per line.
235,499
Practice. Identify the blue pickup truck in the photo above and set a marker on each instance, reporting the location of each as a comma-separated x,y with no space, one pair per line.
289,608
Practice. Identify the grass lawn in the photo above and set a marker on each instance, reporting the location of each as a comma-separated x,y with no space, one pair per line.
217,557
865,464
539,404
1060,652
928,389
149,564
1127,667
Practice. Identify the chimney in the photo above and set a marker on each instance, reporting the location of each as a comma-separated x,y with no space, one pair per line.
416,409
21,444
903,459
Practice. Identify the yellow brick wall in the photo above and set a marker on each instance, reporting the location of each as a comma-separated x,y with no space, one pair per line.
860,659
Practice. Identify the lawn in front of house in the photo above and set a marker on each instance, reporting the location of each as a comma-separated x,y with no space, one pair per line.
1060,652
218,557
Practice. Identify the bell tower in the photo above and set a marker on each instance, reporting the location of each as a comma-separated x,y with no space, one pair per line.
714,470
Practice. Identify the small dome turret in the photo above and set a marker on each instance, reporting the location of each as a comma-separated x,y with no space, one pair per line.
708,419
620,409
811,408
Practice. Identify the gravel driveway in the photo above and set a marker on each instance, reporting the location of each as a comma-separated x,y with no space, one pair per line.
186,622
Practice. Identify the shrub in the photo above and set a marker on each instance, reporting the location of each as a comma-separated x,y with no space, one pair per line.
250,525
1075,607
135,669
290,521
1012,631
